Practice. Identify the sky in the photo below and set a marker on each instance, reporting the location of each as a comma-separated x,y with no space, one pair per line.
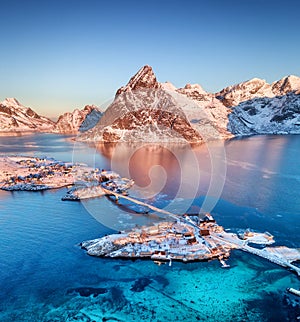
59,55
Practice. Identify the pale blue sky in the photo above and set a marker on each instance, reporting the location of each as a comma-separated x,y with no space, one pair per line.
59,55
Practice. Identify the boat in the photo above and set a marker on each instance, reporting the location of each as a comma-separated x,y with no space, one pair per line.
224,264
159,262
293,291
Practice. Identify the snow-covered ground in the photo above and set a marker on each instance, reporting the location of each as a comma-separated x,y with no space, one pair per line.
26,173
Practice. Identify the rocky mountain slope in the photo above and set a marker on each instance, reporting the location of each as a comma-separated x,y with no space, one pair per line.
233,95
16,117
265,115
146,110
261,108
78,120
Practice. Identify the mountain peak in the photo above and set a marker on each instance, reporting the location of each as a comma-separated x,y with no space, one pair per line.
11,102
17,117
195,87
144,78
287,84
168,86
78,120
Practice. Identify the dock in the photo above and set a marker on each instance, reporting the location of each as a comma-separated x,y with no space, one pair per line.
268,253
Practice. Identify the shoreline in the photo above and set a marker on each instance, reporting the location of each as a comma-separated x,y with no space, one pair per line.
74,137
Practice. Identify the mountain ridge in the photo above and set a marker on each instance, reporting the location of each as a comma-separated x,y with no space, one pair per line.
15,117
147,110
208,115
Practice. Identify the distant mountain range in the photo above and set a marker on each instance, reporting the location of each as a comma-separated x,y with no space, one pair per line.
14,117
78,120
149,111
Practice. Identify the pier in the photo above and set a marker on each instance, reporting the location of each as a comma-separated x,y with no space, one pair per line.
266,252
162,211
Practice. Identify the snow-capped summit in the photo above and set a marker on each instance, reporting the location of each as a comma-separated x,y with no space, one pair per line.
10,101
144,110
195,92
285,85
195,87
78,120
255,88
144,78
16,117
233,95
168,86
262,108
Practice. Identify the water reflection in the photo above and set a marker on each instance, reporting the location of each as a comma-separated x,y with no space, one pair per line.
256,171
156,168
260,172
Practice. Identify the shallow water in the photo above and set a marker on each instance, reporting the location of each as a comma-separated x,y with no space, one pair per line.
253,182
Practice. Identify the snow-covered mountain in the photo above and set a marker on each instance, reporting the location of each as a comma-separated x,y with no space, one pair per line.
149,111
207,115
286,85
265,115
16,117
146,110
78,120
261,108
233,95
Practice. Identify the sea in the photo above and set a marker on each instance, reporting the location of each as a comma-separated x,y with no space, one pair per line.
251,182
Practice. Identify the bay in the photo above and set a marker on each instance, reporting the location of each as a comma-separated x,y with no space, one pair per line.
250,182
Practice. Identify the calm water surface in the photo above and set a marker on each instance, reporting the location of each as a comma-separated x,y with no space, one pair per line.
252,182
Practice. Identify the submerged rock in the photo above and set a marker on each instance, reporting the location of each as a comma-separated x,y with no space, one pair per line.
87,291
140,284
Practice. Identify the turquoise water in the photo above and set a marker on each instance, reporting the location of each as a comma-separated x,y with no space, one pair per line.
44,275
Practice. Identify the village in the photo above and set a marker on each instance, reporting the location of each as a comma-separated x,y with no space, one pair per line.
188,238
20,173
33,173
167,241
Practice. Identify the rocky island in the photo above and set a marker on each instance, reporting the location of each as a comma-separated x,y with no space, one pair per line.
189,238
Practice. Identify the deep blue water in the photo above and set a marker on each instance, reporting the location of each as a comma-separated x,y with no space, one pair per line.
253,182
